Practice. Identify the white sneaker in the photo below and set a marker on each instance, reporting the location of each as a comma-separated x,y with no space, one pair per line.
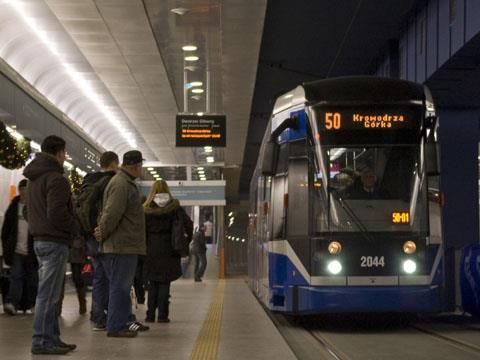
30,311
9,309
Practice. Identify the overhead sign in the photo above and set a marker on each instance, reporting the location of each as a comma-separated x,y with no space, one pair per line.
200,131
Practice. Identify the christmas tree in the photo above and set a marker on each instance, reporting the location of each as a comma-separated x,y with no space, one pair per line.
13,153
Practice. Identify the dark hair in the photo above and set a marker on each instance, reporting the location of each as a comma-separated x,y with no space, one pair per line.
22,183
107,158
53,144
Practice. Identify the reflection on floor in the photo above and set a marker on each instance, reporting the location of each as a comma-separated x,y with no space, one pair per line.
245,330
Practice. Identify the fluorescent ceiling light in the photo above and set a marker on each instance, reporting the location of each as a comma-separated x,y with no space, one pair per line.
16,135
150,169
208,149
68,165
189,48
153,172
196,83
200,114
200,168
201,172
35,146
210,159
180,11
76,76
191,58
197,91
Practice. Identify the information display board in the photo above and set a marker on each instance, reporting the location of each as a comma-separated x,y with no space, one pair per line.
368,119
200,131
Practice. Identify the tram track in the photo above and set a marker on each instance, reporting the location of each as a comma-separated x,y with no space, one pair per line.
336,353
314,340
458,343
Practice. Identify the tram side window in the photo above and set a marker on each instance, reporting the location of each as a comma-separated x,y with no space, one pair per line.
282,164
279,188
297,220
318,197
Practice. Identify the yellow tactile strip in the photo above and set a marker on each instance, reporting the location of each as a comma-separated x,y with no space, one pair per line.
206,345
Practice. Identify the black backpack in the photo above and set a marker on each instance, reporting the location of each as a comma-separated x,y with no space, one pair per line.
88,203
180,238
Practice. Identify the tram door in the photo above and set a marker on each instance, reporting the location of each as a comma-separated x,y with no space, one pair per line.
263,233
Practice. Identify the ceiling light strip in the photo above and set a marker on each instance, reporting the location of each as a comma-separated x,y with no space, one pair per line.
76,77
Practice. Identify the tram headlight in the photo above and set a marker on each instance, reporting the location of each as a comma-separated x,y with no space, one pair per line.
409,266
334,248
334,267
409,247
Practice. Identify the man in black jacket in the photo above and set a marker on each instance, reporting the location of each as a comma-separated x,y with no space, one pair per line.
199,252
52,225
19,255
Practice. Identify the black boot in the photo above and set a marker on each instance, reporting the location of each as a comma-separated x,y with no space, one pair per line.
163,312
82,299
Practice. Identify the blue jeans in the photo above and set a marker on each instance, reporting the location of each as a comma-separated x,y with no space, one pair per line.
200,264
52,259
120,270
100,290
23,282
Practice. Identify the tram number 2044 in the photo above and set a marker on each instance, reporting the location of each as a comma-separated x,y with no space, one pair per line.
372,261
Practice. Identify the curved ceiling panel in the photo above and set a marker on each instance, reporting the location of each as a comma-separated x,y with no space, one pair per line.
35,44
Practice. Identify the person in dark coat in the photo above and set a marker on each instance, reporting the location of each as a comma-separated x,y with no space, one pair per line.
199,252
52,224
162,263
18,253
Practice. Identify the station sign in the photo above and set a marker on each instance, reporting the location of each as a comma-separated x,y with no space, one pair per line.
200,131
191,193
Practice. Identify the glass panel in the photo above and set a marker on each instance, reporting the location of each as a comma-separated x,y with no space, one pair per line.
376,188
298,197
277,207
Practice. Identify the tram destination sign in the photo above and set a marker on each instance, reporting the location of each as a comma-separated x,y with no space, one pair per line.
200,131
338,119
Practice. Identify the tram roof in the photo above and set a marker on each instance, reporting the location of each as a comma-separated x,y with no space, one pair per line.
353,88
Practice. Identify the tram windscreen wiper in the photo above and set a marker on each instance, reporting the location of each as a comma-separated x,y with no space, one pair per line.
348,210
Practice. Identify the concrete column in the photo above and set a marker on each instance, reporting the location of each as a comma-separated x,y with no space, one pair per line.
459,137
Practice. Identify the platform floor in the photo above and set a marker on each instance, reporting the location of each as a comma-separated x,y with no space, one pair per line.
210,320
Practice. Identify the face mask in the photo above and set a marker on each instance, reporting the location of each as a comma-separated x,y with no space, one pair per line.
161,199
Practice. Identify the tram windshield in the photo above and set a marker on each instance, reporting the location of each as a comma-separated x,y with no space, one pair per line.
375,188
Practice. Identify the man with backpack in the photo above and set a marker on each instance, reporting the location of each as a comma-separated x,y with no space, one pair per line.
88,208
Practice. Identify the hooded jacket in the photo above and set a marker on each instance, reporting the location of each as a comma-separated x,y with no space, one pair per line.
162,261
49,201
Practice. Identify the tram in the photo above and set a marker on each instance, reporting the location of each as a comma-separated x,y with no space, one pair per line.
344,202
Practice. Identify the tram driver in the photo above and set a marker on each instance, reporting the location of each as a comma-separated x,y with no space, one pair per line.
368,187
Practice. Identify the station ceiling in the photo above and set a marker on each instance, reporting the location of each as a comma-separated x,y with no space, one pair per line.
123,60
311,40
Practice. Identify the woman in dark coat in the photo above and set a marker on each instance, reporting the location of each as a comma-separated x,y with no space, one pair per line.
162,262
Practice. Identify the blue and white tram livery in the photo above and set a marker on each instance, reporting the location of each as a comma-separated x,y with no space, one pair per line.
343,217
